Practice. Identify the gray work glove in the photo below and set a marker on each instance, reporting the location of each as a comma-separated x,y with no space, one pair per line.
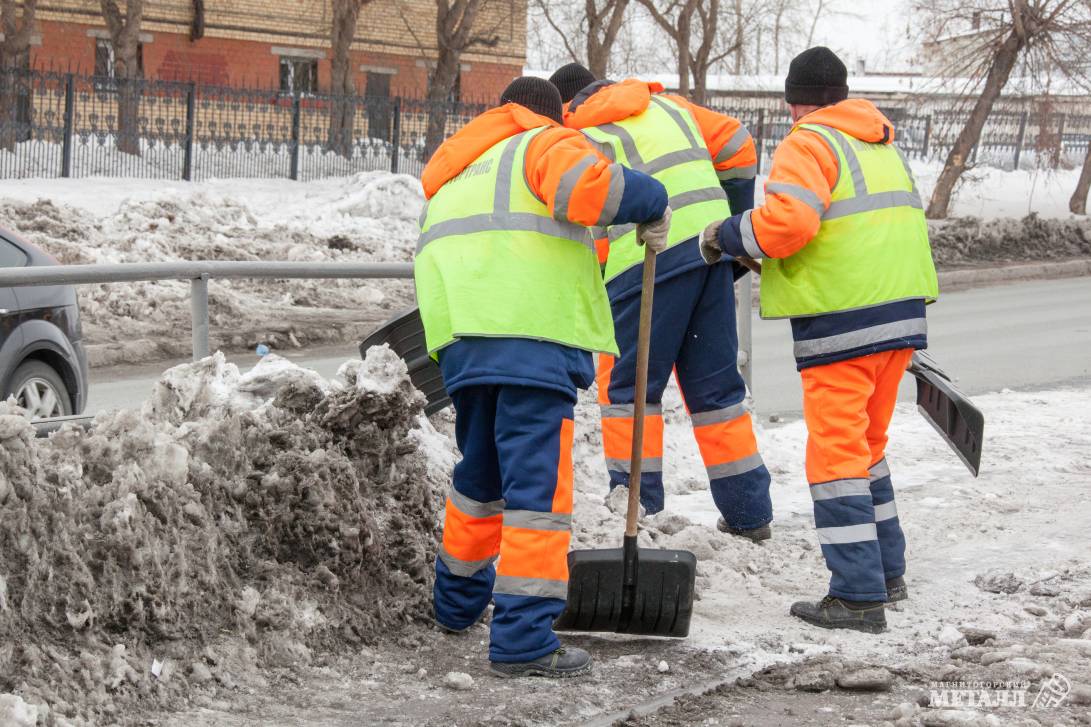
654,234
710,243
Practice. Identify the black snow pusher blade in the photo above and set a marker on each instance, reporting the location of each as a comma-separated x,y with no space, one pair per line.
632,590
405,335
948,410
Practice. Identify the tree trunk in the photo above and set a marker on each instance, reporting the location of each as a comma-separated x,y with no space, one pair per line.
14,57
439,89
682,41
999,70
602,30
125,39
1078,203
339,136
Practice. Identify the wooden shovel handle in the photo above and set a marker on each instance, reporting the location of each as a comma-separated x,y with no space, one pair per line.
640,392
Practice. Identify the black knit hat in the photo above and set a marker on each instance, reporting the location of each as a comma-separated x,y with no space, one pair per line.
570,79
537,94
816,77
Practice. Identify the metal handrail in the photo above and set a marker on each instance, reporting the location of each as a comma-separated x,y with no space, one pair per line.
199,272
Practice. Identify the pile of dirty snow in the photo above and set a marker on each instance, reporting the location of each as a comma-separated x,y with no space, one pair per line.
367,217
972,241
236,522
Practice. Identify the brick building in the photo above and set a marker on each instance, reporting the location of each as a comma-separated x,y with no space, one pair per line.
285,43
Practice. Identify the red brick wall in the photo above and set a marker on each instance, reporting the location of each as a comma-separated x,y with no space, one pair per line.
210,60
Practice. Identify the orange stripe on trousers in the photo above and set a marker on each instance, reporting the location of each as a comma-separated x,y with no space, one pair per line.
526,553
469,538
725,442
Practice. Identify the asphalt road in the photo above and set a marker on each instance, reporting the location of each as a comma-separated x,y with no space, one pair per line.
1031,335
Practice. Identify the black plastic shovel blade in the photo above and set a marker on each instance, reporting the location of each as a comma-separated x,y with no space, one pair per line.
657,600
949,411
405,335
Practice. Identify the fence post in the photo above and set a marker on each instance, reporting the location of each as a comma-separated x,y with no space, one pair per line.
69,114
1020,138
293,172
191,113
198,306
396,135
927,136
760,141
1060,141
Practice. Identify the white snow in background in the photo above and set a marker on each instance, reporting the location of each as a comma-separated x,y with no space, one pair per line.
353,205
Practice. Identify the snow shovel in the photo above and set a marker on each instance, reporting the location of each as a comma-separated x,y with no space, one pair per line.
948,410
405,334
631,590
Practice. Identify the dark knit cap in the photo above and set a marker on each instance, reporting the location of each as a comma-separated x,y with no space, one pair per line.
570,79
816,77
537,94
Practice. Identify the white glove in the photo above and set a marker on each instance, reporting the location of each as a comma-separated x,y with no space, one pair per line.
710,243
654,234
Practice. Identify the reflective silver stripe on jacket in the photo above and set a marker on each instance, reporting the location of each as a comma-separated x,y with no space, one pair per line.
717,416
886,511
540,587
799,193
733,146
676,116
840,488
749,240
628,143
502,219
879,470
613,197
567,186
748,172
463,568
677,202
861,337
474,508
647,464
862,200
535,520
611,411
872,202
847,534
738,467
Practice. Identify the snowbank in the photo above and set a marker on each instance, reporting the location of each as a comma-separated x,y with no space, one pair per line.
370,216
235,522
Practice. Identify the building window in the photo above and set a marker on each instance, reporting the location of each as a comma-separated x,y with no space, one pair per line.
298,75
379,107
975,22
106,61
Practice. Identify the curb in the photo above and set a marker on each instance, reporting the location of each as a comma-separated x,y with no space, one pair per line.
974,278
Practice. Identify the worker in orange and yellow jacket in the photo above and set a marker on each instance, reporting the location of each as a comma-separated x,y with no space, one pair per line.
706,161
847,260
513,307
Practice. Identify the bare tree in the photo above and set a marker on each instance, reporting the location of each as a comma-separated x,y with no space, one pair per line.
1078,203
594,25
124,29
455,20
14,49
693,27
343,22
1047,36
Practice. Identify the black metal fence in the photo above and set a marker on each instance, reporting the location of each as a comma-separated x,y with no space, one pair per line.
56,124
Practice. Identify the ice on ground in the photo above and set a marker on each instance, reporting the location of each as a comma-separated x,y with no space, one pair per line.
235,522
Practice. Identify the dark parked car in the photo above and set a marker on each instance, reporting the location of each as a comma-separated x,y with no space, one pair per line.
42,359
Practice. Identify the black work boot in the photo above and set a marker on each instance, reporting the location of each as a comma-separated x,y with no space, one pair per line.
839,613
896,590
755,535
565,662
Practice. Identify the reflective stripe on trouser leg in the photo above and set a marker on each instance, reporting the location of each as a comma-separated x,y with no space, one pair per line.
736,472
887,527
473,514
845,519
617,442
534,438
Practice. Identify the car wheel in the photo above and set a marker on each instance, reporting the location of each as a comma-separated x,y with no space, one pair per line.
40,390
